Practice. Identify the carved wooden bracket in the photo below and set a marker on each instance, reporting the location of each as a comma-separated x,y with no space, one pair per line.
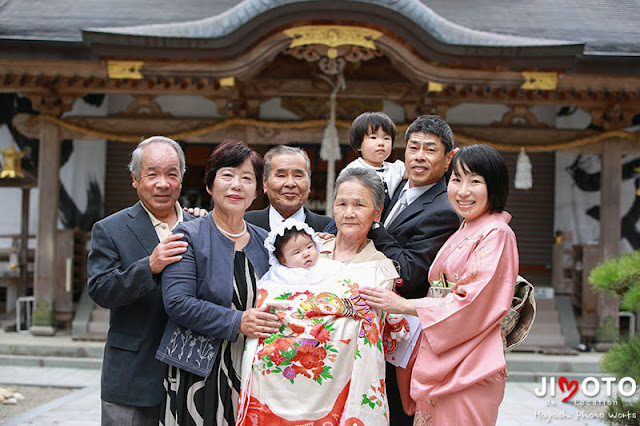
519,116
144,105
238,106
614,117
314,108
413,110
52,104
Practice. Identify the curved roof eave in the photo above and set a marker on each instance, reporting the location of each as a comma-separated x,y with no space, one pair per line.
224,24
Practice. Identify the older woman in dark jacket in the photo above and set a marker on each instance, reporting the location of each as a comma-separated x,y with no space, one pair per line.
209,296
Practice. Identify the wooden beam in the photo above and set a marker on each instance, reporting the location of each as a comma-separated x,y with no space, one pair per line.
144,126
522,136
92,75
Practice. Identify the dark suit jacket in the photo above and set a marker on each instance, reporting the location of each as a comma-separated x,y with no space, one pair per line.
261,218
120,279
415,236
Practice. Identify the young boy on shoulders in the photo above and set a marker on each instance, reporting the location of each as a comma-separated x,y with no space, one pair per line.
372,136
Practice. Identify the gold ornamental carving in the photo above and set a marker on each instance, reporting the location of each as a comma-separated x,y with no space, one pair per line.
11,166
432,86
539,80
125,69
332,36
227,81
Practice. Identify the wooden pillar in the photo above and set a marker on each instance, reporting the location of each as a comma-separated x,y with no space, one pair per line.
24,243
45,263
589,297
331,180
610,233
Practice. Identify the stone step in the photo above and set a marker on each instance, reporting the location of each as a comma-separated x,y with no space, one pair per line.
546,317
89,350
100,314
50,361
543,340
546,304
536,376
586,363
546,328
98,327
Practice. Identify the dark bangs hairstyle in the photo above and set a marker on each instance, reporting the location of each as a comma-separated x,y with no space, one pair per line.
487,162
281,240
373,121
232,153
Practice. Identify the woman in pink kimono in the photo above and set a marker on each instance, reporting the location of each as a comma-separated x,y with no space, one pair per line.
459,369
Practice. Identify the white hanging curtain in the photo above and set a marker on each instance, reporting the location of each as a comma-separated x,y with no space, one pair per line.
524,178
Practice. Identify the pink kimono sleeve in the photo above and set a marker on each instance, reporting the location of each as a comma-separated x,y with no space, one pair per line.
480,299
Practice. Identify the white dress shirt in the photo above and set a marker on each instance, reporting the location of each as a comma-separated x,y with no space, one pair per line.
275,218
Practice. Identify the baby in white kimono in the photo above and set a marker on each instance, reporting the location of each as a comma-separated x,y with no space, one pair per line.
293,244
326,364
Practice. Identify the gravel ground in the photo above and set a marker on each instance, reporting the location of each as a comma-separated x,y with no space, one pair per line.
34,396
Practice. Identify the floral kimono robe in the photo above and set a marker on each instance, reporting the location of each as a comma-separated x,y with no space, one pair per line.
326,365
461,342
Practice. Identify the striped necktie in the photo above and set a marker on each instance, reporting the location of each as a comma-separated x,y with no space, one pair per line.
400,205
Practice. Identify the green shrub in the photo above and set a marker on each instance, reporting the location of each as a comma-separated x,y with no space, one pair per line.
631,299
624,413
619,275
622,359
622,276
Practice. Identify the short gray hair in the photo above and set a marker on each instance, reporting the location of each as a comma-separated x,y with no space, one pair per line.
368,178
136,155
284,149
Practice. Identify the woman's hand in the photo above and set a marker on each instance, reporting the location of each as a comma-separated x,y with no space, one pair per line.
257,322
388,301
325,236
196,211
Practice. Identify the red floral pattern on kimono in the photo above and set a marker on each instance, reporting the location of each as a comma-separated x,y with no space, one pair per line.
326,364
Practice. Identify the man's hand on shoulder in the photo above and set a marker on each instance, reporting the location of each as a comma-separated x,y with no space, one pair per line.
168,251
196,211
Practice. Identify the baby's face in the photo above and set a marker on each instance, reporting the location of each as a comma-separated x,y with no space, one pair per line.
299,252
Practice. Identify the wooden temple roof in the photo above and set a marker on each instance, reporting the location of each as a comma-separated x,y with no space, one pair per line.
594,27
428,55
605,26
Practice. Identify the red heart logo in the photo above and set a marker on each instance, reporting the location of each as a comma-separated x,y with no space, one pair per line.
562,382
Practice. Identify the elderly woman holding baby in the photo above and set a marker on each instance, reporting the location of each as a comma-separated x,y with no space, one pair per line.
315,341
326,364
358,202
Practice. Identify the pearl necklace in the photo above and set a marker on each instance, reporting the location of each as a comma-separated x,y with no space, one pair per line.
230,235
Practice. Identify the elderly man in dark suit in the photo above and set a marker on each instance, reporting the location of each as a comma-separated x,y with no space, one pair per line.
287,183
418,221
129,250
